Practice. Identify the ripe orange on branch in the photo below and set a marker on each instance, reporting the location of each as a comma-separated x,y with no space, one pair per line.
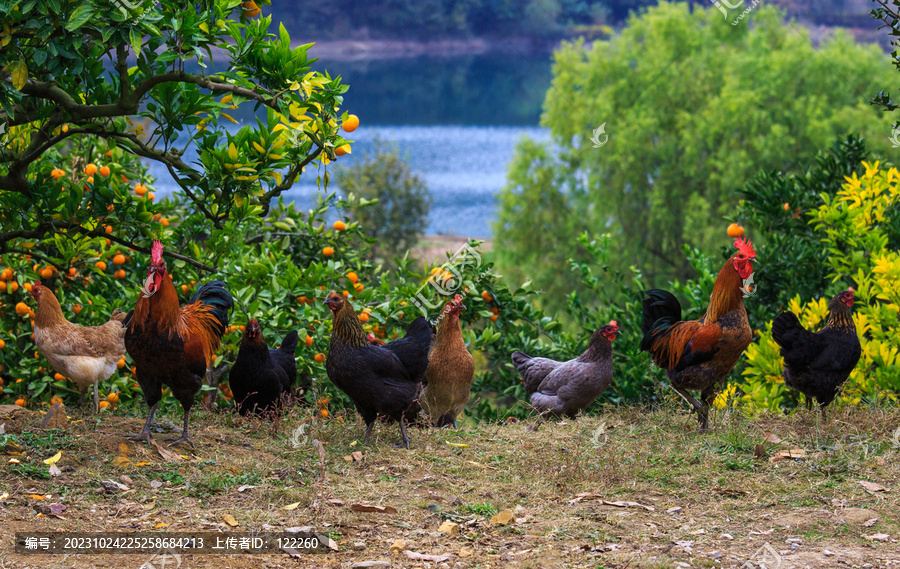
342,150
735,230
351,123
251,10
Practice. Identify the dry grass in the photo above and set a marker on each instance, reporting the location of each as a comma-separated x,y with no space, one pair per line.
654,458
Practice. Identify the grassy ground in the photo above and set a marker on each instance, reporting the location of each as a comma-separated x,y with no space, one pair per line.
699,500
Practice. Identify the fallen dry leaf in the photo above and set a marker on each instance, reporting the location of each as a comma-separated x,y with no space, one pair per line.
449,528
873,486
229,519
759,450
53,459
794,453
166,454
771,437
54,470
375,509
870,523
357,456
502,518
877,537
291,506
617,504
124,449
121,461
424,557
56,509
335,502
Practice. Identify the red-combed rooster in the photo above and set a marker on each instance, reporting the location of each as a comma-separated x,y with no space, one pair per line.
698,354
171,344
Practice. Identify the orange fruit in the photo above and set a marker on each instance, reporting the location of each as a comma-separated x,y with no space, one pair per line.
72,271
120,364
364,317
302,299
251,10
22,309
185,288
27,286
20,401
342,150
164,222
59,377
55,399
76,308
119,259
19,380
113,398
787,206
324,412
494,317
140,189
6,274
352,277
90,169
320,357
104,171
340,225
13,286
57,173
2,286
346,294
351,123
308,341
108,230
3,345
495,310
120,274
100,265
358,287
151,196
104,404
735,230
46,273
486,296
328,251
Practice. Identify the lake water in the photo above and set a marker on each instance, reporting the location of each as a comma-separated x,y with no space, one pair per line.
456,120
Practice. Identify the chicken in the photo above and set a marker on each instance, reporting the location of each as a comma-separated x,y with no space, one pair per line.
262,378
412,348
450,369
85,354
372,376
567,388
173,345
698,354
817,364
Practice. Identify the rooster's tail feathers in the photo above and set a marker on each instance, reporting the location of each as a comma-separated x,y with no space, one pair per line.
216,296
660,311
784,329
289,344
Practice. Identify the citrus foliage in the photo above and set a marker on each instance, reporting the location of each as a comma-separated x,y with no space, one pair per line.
856,227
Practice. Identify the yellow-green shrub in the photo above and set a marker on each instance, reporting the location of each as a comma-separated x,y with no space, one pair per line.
854,227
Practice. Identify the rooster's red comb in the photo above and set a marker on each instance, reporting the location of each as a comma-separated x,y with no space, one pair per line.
745,247
156,252
613,324
457,299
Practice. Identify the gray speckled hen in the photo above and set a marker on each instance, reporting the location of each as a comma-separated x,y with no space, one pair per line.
567,388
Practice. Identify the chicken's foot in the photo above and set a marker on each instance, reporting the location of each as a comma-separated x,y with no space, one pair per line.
404,438
368,432
701,409
144,435
184,438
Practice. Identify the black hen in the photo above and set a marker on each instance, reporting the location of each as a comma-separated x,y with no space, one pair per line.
412,349
372,376
262,378
817,364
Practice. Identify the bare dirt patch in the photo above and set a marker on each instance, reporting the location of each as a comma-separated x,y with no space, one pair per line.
627,488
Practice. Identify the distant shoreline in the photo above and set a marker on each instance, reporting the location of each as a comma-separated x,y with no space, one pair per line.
369,50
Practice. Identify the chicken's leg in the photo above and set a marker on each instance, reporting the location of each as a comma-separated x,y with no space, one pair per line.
404,438
184,438
144,435
96,397
368,432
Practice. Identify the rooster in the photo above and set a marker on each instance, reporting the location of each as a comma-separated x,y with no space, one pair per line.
698,354
372,376
817,364
173,345
450,369
412,348
567,388
261,377
85,354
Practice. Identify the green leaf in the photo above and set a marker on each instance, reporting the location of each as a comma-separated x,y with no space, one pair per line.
80,16
136,39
